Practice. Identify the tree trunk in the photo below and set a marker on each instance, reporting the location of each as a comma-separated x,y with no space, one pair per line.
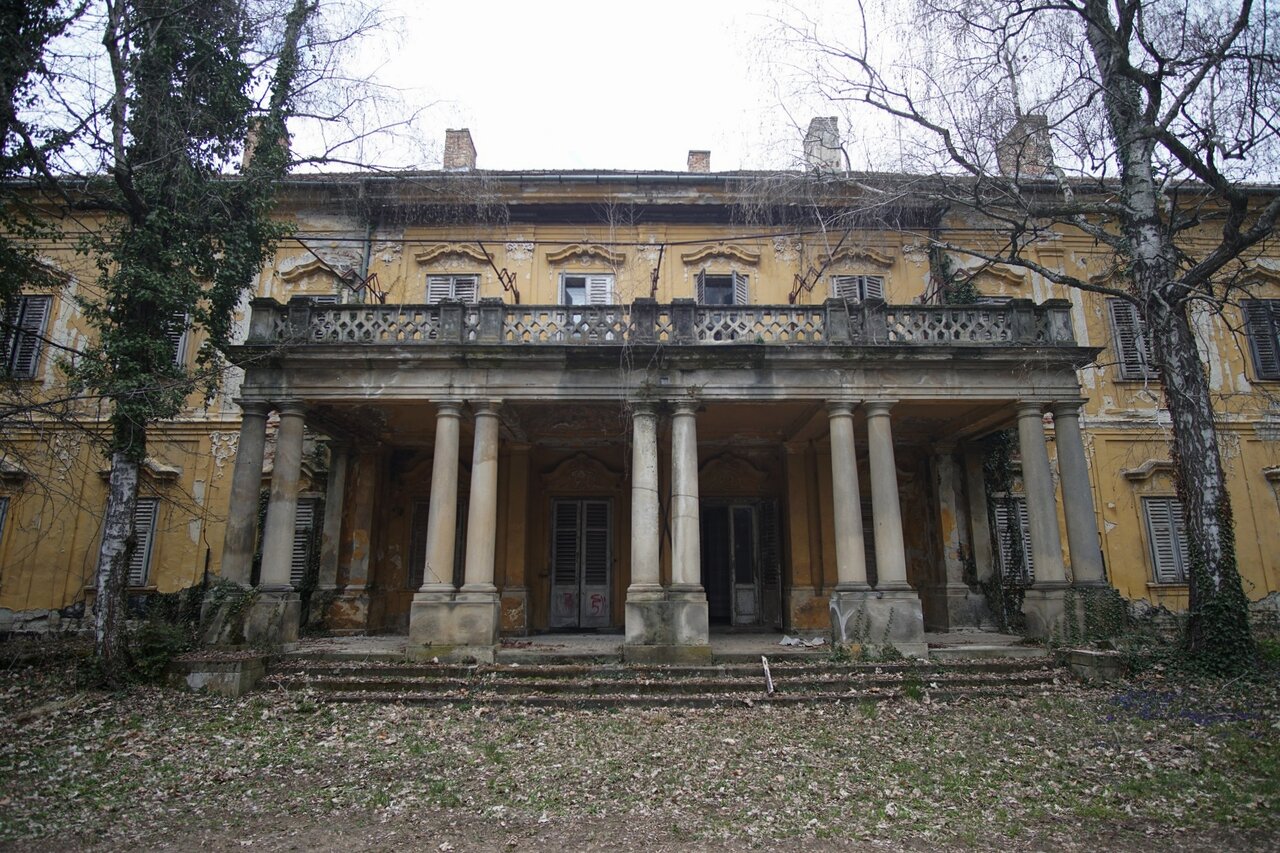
118,542
1217,633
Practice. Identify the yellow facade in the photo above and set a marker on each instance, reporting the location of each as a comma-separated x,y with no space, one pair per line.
652,239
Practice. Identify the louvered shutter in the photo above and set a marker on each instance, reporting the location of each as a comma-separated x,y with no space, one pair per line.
564,564
600,290
465,288
1133,346
741,295
770,565
1166,531
873,287
418,544
4,511
303,525
1013,568
596,559
439,288
845,287
326,299
144,526
869,542
1262,324
700,288
177,336
26,321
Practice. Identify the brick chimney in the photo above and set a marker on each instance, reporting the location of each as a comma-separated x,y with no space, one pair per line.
459,151
1025,149
822,150
699,161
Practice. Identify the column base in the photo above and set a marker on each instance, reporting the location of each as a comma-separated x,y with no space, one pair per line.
272,618
1044,606
348,612
670,627
966,608
877,618
223,614
455,630
515,611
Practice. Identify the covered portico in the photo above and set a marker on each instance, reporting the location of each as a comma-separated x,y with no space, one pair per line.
786,412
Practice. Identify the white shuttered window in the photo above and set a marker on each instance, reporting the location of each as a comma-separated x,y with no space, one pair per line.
304,522
1167,536
1133,344
459,288
586,289
144,531
857,288
1011,521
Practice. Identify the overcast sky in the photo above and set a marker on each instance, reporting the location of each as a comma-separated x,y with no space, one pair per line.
565,84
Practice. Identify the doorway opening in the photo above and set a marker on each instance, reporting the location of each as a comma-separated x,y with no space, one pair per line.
581,561
740,562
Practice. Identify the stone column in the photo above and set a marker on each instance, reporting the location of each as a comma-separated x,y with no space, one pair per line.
648,616
246,482
442,513
686,531
1077,498
482,513
1044,600
851,559
686,629
891,613
646,526
886,507
274,617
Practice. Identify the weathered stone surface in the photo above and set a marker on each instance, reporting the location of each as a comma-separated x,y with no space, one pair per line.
1044,605
457,629
879,618
272,618
230,678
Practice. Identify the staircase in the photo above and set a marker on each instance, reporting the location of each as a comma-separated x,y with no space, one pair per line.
599,685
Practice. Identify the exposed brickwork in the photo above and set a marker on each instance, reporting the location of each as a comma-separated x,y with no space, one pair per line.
459,150
699,161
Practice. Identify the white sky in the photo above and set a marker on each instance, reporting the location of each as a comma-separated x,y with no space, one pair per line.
566,84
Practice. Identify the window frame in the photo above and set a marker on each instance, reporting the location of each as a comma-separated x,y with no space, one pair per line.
1026,573
1172,567
21,341
1131,341
1262,328
309,510
597,289
146,509
739,285
859,282
452,280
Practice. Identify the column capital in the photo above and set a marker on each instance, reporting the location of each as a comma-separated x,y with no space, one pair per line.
1066,408
648,408
295,408
448,408
1029,408
488,408
877,408
258,408
685,407
840,408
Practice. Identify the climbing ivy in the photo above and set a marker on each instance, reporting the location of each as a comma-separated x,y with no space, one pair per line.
954,287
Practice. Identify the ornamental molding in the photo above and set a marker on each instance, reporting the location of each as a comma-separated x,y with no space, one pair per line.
12,474
307,269
846,254
731,474
460,251
583,474
1147,470
1263,274
152,468
732,251
582,253
1272,475
1001,274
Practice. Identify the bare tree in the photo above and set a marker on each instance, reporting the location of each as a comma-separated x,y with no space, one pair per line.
1137,122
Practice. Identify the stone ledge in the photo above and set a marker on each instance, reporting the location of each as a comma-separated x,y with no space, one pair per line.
1092,665
226,677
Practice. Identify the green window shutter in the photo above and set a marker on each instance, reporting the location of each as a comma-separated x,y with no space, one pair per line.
1262,324
1132,343
24,334
1167,535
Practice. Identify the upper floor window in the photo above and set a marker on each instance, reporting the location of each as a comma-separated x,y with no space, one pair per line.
729,289
857,288
460,288
1133,344
22,335
586,289
1262,324
177,335
1167,537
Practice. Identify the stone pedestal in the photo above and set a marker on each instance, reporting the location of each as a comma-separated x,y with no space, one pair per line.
458,629
1044,605
966,608
667,628
878,618
272,618
806,611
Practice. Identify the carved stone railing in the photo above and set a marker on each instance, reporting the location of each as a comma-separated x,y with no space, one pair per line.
1018,322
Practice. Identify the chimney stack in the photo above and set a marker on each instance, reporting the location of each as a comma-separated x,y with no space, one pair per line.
1025,150
822,150
699,161
459,151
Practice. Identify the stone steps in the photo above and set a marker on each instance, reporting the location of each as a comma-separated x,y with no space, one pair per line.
607,685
